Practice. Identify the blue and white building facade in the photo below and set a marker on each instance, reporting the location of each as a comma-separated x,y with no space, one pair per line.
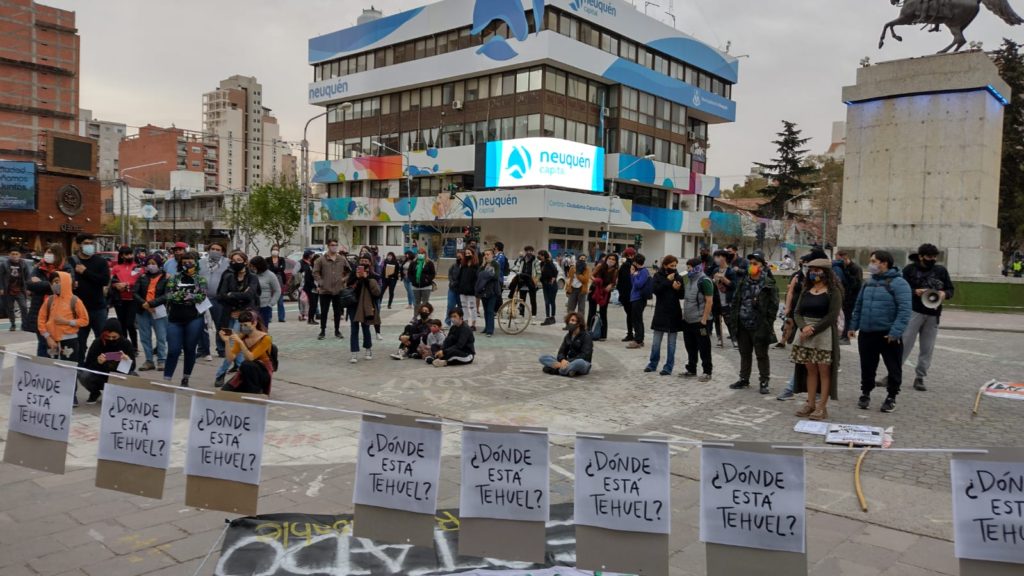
553,122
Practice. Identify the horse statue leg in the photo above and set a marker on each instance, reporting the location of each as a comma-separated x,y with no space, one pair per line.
891,28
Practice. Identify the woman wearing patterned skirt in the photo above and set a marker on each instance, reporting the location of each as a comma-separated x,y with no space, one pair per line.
817,347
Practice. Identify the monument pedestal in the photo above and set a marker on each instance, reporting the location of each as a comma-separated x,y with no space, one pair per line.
923,152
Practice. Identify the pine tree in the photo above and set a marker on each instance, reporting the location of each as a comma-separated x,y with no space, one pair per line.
789,173
1010,61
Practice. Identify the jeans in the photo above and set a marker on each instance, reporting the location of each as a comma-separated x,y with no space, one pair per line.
577,367
750,348
928,327
42,349
636,316
10,301
326,301
872,346
225,365
489,305
147,324
267,315
697,344
421,296
354,341
408,291
670,362
97,318
550,300
280,309
125,312
182,337
215,312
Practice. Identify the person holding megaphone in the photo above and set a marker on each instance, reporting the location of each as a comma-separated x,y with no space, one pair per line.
931,287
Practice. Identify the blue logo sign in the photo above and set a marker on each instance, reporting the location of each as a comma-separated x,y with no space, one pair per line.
512,13
519,163
593,7
327,91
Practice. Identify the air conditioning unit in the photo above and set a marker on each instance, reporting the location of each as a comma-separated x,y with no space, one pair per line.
605,111
456,104
691,135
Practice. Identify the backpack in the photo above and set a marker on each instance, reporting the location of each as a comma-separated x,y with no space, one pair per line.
74,306
837,269
647,291
595,327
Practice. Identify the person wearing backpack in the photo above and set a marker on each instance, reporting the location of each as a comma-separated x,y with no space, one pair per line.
61,317
641,290
881,314
752,319
502,260
667,286
924,275
698,296
38,284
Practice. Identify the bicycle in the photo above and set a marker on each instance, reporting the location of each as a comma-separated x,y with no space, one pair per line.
514,315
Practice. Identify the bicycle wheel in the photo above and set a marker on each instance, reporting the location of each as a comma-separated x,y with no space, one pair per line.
511,320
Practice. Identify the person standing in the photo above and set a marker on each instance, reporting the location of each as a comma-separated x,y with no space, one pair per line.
408,265
698,296
752,318
185,323
603,281
527,278
122,293
577,285
549,286
363,313
816,314
171,265
725,284
625,288
150,295
640,291
278,265
309,286
488,289
391,274
212,268
925,275
502,260
14,272
853,278
39,288
60,318
881,314
453,284
668,313
575,355
238,293
331,273
423,274
92,277
467,286
269,288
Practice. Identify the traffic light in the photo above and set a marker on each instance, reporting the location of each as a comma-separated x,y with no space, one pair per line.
638,241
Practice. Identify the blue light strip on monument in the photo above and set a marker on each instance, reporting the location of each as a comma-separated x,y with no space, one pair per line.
989,88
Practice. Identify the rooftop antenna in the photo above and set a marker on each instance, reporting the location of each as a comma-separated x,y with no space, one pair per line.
672,12
648,4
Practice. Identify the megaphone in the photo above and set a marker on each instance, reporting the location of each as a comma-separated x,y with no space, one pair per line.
931,299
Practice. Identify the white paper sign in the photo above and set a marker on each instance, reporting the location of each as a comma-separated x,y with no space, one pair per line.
225,440
811,427
136,426
504,476
160,312
203,306
858,434
623,485
125,365
988,510
41,399
751,499
398,467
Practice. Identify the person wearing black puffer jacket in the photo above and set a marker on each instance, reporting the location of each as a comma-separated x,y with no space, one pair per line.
625,287
926,278
238,292
576,353
105,355
467,286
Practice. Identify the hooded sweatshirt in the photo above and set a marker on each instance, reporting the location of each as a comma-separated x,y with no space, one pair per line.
102,346
58,306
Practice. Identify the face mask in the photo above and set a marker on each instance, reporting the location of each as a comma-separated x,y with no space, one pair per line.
813,277
245,329
56,289
238,266
755,270
691,272
190,270
424,315
571,326
275,252
89,249
927,264
334,249
48,258
421,256
215,256
873,269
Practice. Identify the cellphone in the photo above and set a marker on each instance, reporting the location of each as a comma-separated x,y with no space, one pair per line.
113,356
360,269
226,331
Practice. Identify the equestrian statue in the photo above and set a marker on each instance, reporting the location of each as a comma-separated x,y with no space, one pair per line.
955,14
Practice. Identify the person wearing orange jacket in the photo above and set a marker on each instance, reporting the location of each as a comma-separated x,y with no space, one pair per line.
60,317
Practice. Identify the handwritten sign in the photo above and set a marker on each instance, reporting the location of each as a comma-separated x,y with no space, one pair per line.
41,399
504,476
398,467
752,499
225,440
988,509
856,434
136,426
622,485
1013,390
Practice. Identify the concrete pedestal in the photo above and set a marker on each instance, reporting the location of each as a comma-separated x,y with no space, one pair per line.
923,150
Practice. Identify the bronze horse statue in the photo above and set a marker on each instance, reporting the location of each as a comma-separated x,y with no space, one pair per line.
955,14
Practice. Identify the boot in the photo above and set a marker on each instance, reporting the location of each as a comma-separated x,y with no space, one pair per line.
740,384
805,410
821,412
763,383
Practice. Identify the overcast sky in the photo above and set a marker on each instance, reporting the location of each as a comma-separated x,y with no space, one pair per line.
149,61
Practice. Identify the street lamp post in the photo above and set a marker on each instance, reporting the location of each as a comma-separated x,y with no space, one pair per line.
612,196
126,210
304,209
408,191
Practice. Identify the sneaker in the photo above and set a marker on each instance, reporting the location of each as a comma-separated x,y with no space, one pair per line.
321,336
353,359
649,369
159,365
786,394
337,334
379,337
398,356
93,397
634,345
704,378
665,373
740,384
628,338
550,370
147,366
864,402
209,358
429,359
844,341
919,384
687,374
889,405
440,363
780,345
184,381
13,328
218,382
74,404
763,386
548,321
369,355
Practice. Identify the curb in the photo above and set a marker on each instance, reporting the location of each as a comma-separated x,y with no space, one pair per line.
981,329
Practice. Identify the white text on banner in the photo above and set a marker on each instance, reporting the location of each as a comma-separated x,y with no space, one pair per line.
398,467
623,485
504,476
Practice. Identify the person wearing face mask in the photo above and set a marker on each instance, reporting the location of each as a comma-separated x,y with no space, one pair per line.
278,266
407,266
123,275
725,284
363,312
576,352
105,355
698,296
212,268
625,287
853,278
549,286
488,289
171,265
881,314
60,318
796,284
270,288
423,273
668,314
527,269
185,292
39,288
309,286
816,349
92,277
238,293
641,290
331,272
252,349
752,319
391,274
414,333
925,275
467,285
577,285
458,347
150,294
602,282
14,272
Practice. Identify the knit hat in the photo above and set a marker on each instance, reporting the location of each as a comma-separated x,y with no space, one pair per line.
629,252
156,257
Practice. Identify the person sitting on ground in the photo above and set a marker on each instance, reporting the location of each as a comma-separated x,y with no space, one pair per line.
255,346
432,343
575,355
414,333
105,355
458,345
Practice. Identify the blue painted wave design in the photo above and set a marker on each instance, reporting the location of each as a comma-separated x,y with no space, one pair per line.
661,219
699,54
357,37
323,173
642,78
636,168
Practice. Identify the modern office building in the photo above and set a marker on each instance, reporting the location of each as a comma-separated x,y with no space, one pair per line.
551,125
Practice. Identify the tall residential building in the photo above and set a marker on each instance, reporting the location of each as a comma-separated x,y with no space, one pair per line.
109,135
234,113
274,151
148,158
39,57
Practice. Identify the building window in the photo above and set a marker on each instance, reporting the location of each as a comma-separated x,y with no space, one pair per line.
376,235
394,236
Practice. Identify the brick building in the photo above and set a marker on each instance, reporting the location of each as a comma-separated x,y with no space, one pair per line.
140,156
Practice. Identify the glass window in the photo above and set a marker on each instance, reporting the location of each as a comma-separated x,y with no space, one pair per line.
627,50
496,86
425,97
559,127
577,87
592,135
460,91
551,20
414,99
508,83
420,49
361,63
646,58
555,80
436,95
507,129
533,125
592,93
549,126
521,127
395,237
691,76
399,53
447,94
405,101
493,130
472,92
610,44
644,144
565,23
522,81
431,46
535,78
484,88
376,235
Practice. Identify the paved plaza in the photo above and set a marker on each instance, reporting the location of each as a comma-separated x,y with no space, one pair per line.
64,525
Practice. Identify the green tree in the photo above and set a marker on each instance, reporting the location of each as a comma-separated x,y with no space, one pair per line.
751,188
788,173
1010,61
276,210
828,195
242,220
